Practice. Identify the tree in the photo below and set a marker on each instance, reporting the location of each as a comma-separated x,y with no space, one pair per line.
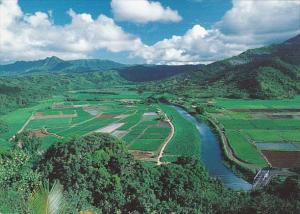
48,201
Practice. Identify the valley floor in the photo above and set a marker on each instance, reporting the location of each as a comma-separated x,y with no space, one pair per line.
255,133
152,132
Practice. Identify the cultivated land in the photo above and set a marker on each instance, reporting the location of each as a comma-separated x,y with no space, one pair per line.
122,112
260,132
255,129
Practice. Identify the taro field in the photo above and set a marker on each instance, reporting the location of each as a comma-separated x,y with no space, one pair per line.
119,112
261,132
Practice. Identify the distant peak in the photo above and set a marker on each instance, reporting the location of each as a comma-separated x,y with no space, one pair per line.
295,40
53,58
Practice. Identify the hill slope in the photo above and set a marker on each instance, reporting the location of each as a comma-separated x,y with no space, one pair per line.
268,72
135,73
145,73
55,65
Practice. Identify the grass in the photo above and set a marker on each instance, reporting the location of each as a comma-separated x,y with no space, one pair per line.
186,139
244,150
109,94
16,119
257,104
144,133
146,144
82,116
49,123
156,133
85,128
242,127
263,135
48,141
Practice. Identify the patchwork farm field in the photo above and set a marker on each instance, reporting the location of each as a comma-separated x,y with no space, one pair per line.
123,113
258,129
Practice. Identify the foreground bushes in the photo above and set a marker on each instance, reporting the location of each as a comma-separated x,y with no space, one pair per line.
98,174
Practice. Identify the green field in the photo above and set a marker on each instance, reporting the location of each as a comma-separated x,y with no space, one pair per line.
257,104
82,112
243,149
16,119
247,122
59,120
186,139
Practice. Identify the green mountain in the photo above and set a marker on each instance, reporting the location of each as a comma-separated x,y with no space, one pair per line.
146,73
268,72
135,73
56,65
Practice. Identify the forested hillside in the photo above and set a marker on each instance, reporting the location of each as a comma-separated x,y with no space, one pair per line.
135,73
268,72
21,91
56,65
146,73
98,174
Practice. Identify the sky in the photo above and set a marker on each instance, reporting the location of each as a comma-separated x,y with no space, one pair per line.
143,31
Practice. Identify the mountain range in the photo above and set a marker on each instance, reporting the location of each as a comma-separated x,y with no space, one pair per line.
135,73
56,65
267,72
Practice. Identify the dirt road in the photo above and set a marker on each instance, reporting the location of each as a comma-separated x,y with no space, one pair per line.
25,124
166,142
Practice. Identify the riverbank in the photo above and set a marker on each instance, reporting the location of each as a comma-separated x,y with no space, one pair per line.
211,154
245,170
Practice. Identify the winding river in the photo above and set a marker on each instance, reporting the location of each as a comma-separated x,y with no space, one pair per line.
212,155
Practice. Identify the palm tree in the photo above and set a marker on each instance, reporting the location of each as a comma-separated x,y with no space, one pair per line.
46,201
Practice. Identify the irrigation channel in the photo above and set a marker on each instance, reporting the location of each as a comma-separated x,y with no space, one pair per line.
211,154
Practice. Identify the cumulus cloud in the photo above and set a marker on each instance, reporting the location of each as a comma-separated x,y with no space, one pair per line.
248,24
32,36
143,11
263,20
197,45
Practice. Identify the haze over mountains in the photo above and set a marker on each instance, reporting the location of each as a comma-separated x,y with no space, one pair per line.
266,72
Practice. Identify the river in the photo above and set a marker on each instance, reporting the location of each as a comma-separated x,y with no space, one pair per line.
211,155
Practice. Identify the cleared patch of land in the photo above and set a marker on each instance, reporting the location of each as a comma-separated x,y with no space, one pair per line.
283,159
110,128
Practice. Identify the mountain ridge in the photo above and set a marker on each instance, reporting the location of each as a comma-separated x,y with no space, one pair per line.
55,65
266,72
134,73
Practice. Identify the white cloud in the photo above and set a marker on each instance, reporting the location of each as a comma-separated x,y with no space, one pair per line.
143,11
33,36
197,45
248,24
264,21
261,17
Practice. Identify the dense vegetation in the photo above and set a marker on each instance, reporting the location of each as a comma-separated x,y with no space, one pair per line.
98,174
21,91
136,73
269,72
56,65
146,73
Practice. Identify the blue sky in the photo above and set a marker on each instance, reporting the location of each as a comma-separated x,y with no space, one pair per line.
205,12
143,31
